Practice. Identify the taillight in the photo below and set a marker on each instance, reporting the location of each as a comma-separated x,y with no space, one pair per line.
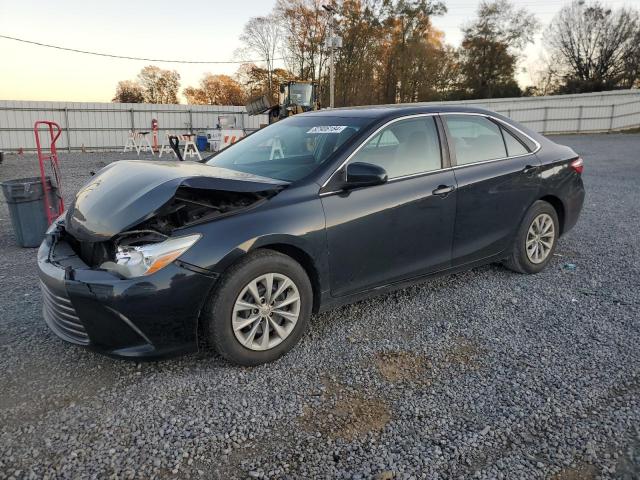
577,165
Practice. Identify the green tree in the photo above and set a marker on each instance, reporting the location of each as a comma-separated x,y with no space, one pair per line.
391,53
158,85
491,48
216,90
128,91
357,60
410,49
255,80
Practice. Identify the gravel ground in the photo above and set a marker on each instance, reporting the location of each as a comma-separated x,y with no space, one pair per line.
484,374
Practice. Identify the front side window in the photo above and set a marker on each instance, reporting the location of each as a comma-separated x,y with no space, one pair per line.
475,138
405,147
290,149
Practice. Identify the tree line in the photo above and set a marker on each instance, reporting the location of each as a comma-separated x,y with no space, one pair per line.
392,53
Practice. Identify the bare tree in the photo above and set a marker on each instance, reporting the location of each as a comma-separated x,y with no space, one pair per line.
595,47
543,75
261,37
631,77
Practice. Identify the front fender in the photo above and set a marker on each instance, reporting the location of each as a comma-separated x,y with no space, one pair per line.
290,221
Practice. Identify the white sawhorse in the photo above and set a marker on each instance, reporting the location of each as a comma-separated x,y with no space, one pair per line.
131,143
144,144
190,149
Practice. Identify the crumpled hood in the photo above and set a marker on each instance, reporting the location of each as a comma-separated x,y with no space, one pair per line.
127,192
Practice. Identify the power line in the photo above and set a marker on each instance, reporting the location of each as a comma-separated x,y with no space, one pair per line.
124,57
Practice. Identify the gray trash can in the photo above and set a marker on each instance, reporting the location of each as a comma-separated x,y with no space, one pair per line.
26,206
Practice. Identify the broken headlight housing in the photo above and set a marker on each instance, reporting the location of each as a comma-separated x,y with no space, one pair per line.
54,225
136,261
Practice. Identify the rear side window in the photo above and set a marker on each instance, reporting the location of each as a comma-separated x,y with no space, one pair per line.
514,147
404,148
475,138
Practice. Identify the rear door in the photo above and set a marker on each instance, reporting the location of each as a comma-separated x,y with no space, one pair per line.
497,180
403,228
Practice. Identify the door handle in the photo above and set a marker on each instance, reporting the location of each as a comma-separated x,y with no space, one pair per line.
529,169
443,190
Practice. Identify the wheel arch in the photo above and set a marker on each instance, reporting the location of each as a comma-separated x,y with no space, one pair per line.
305,260
558,206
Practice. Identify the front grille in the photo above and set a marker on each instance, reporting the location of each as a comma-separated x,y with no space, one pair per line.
61,317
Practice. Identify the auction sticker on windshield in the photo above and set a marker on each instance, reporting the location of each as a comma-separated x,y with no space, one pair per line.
327,129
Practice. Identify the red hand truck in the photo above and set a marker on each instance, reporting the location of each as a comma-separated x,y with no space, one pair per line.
53,211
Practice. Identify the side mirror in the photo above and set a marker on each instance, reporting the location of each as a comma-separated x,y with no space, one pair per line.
361,174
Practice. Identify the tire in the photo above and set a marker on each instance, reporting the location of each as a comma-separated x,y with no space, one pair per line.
526,262
226,308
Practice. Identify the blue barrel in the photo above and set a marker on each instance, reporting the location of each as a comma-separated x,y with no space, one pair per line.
202,142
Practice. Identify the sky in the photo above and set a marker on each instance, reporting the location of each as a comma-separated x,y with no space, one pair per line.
197,30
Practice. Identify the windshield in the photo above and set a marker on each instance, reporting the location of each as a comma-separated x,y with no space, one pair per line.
300,94
291,148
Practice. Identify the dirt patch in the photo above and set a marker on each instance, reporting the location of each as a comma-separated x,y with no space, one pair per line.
345,413
581,472
402,367
465,353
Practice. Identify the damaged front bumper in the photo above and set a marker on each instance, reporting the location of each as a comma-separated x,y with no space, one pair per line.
152,316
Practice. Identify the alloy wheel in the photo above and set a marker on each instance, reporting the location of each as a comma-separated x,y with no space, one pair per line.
540,238
266,311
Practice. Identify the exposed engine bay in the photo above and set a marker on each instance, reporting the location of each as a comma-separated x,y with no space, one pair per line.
126,217
189,206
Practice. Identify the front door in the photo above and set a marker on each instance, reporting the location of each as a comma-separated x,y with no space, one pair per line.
400,229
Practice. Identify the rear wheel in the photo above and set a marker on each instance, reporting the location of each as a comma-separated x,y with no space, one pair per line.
536,239
260,308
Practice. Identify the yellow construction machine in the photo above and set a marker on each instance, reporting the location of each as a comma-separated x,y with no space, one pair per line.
294,97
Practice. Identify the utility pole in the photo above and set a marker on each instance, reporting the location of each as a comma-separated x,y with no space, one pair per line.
269,74
332,43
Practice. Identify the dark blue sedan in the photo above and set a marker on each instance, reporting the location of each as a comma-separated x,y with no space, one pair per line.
315,211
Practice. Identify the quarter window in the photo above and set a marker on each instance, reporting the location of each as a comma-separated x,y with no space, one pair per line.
475,138
404,148
514,147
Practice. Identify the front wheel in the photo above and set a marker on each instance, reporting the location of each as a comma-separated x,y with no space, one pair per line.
536,239
260,308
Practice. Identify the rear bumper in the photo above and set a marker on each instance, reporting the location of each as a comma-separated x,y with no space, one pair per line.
148,317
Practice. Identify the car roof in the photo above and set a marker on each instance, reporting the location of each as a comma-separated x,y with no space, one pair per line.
390,111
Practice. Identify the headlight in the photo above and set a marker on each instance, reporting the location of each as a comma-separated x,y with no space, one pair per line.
147,259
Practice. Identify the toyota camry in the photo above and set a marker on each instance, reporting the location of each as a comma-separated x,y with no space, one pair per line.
154,258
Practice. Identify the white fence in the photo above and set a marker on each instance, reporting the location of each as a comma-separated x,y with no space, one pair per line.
580,113
105,125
